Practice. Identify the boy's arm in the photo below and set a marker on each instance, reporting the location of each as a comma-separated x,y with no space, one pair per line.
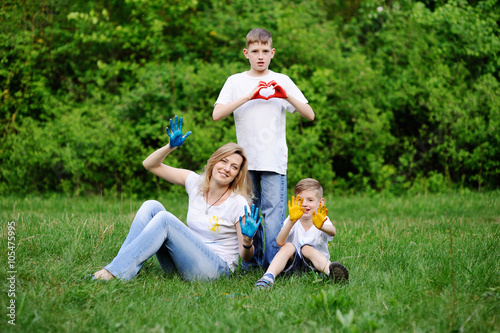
221,111
319,219
284,232
296,211
304,109
329,229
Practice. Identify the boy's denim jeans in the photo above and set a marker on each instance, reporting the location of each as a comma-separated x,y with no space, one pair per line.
156,231
270,196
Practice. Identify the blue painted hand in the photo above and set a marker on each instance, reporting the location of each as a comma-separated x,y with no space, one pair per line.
175,133
252,222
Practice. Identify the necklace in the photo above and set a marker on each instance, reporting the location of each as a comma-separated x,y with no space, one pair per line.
206,210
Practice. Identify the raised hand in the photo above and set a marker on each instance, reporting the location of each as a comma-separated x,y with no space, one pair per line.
295,209
319,218
279,92
252,222
260,86
175,133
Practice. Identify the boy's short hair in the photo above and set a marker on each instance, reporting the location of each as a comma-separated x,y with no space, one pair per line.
309,184
259,35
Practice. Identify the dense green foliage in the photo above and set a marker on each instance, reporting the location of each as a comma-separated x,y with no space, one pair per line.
417,263
406,93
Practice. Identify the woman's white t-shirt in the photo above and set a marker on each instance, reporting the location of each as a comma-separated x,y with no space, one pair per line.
217,229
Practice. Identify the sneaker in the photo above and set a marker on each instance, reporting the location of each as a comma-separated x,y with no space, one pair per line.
263,284
338,272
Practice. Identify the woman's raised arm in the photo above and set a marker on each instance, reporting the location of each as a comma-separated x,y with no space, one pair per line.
154,162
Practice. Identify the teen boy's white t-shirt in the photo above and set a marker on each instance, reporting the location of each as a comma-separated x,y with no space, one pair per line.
261,124
299,237
217,229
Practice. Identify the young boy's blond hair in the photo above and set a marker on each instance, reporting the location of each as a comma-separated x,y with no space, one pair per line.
259,35
309,184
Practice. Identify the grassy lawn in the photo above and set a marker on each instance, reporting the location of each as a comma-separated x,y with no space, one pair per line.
422,263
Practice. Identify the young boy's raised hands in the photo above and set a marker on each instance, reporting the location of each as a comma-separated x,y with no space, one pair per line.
295,209
319,218
272,90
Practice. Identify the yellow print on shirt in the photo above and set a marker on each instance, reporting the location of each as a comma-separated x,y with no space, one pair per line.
215,226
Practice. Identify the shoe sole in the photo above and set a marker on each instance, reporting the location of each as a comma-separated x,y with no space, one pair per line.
338,272
263,285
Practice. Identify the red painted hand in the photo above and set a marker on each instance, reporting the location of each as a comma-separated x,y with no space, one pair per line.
269,90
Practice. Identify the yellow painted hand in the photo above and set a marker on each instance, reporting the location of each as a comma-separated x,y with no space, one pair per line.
295,209
319,218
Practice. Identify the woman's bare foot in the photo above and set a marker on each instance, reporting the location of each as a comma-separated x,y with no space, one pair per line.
103,274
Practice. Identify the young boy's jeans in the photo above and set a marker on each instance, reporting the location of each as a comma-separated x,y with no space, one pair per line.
270,196
156,231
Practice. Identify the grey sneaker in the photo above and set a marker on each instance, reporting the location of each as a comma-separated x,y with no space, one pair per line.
263,284
338,272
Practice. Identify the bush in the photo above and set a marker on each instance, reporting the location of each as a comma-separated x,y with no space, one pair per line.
405,94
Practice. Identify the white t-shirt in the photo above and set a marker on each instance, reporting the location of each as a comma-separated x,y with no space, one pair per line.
217,229
261,124
298,236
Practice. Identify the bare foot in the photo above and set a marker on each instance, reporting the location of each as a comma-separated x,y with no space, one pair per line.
103,274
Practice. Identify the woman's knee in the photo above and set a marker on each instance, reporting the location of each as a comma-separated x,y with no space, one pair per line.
152,205
165,217
169,223
149,209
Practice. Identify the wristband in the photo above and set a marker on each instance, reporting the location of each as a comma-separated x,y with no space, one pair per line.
247,247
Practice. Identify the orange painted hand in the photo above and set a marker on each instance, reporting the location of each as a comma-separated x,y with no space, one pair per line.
295,209
319,218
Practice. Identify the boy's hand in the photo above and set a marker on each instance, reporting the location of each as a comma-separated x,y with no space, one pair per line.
295,209
175,133
276,91
319,218
256,93
279,92
252,222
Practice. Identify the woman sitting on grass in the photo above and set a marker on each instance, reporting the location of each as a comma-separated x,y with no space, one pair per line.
219,226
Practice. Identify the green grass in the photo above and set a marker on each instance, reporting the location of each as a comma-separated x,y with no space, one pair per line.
425,263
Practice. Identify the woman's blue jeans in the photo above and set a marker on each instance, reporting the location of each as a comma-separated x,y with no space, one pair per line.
156,231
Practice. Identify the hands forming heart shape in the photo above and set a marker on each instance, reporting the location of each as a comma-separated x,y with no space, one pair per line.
269,90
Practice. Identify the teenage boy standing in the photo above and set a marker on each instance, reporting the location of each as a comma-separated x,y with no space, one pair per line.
259,99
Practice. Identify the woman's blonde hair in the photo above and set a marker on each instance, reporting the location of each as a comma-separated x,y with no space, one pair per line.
241,184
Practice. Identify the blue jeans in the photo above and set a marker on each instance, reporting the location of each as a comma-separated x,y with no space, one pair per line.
270,196
178,249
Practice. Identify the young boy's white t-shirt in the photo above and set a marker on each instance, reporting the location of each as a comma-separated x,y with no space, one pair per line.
299,237
217,229
261,124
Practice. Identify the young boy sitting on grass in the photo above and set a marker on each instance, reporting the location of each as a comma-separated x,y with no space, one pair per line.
304,245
